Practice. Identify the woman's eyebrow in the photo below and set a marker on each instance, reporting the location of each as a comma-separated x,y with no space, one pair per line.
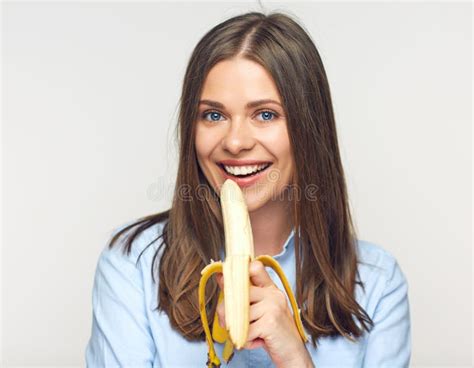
249,105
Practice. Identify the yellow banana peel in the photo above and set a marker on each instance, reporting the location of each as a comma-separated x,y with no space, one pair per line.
239,252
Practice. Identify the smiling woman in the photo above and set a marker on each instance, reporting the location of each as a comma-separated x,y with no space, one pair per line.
256,109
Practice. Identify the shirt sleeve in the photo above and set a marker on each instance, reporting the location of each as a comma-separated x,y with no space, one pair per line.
121,335
389,342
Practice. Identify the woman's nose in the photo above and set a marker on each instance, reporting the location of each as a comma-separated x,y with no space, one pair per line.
238,137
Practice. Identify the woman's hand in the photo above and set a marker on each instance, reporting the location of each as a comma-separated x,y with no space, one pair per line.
271,322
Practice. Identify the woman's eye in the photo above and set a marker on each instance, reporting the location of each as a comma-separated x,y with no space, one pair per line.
266,115
212,114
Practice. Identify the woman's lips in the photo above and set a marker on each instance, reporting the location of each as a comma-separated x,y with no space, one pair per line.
243,181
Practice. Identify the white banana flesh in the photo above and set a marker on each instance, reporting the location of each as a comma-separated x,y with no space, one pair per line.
238,254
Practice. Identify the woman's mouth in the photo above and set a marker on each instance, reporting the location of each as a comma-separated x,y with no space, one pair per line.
244,175
244,171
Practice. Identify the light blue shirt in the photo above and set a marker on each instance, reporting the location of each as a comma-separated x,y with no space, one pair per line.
127,331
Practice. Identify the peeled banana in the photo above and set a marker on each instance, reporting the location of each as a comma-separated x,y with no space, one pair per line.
239,252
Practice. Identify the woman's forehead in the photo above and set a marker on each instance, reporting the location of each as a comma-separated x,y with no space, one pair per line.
239,79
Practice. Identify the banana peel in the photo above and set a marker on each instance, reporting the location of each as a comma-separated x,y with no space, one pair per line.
239,253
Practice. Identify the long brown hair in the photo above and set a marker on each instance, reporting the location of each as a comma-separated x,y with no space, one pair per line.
325,245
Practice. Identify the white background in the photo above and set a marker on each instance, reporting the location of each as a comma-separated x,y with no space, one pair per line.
90,93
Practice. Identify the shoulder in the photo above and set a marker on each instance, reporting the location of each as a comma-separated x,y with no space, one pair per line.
122,296
143,246
380,273
376,260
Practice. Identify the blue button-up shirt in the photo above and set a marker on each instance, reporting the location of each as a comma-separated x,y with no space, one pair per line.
127,331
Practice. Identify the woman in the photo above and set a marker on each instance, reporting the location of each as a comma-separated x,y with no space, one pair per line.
255,98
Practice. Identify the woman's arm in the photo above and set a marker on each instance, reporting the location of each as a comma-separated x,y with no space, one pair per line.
389,342
120,331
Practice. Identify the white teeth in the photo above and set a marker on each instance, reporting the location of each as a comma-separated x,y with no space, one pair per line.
243,170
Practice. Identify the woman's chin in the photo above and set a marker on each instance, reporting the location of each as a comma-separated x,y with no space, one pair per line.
270,196
256,201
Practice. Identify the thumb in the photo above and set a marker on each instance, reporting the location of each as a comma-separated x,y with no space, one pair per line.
258,275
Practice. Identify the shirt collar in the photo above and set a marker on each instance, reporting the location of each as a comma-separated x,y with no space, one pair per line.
289,243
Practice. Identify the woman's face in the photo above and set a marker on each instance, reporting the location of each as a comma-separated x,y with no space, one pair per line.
229,129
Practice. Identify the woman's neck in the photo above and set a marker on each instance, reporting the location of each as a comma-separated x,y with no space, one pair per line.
271,226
